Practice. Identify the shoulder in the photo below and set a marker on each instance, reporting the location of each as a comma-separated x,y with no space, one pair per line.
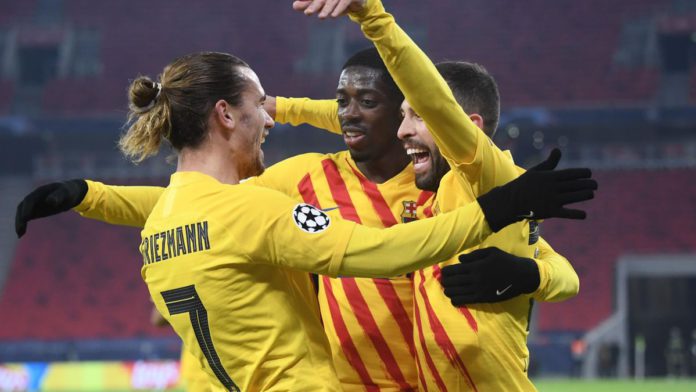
300,160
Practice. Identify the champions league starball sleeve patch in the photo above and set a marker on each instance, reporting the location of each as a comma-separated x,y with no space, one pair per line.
310,219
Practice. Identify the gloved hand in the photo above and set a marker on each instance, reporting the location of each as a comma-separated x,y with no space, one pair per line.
47,200
489,275
540,193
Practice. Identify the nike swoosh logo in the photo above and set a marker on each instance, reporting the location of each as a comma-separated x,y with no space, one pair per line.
528,216
329,209
501,292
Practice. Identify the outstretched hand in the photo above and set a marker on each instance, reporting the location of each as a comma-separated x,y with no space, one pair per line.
47,200
540,193
328,8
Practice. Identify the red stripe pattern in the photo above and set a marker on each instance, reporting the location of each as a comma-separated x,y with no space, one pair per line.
339,191
396,307
384,286
428,359
306,189
347,344
359,306
380,205
369,325
437,274
423,197
441,337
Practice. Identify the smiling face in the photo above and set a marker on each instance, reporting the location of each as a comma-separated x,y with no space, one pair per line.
368,114
252,126
428,164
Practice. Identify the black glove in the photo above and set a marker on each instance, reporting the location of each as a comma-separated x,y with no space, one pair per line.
489,275
47,200
540,193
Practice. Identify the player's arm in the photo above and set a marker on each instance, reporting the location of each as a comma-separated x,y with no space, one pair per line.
119,205
322,114
293,237
305,238
122,205
492,275
468,150
558,280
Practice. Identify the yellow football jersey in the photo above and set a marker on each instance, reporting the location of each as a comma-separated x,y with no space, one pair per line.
480,347
215,262
193,377
223,265
368,321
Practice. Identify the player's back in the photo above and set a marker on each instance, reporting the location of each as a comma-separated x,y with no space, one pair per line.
254,325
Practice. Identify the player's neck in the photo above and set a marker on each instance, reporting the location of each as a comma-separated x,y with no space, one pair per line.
384,168
222,167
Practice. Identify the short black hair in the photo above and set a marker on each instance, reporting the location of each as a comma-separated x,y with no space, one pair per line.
370,58
475,90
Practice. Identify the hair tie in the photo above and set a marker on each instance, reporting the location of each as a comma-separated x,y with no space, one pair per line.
152,103
158,86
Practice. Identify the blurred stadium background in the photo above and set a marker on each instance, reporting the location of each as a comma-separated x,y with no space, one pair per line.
612,83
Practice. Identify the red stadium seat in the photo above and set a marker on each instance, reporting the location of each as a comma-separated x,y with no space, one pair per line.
635,212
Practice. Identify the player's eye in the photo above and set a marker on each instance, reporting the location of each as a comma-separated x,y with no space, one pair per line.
341,101
369,103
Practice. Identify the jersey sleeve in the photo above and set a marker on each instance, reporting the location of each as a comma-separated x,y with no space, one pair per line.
558,280
280,233
470,153
322,114
119,205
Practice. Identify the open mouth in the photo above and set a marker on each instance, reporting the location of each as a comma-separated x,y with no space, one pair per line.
419,156
353,138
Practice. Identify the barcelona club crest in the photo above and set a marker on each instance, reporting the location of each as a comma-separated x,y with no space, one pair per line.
409,213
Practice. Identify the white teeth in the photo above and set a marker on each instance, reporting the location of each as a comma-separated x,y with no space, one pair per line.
411,151
353,134
263,136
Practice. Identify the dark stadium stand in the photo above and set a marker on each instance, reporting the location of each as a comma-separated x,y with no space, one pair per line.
80,279
635,212
574,45
6,91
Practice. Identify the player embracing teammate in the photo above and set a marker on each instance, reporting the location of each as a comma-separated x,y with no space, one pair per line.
454,347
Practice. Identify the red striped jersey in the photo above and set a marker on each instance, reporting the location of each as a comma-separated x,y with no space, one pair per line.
368,321
481,347
478,347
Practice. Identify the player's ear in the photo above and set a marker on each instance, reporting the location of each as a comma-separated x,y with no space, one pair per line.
477,119
224,115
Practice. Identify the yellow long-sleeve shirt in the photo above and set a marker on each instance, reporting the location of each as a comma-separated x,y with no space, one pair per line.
223,265
480,347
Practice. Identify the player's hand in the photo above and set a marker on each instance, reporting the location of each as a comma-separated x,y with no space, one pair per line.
542,192
489,275
328,8
47,200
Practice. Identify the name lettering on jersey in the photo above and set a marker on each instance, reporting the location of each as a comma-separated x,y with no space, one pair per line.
409,212
175,242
